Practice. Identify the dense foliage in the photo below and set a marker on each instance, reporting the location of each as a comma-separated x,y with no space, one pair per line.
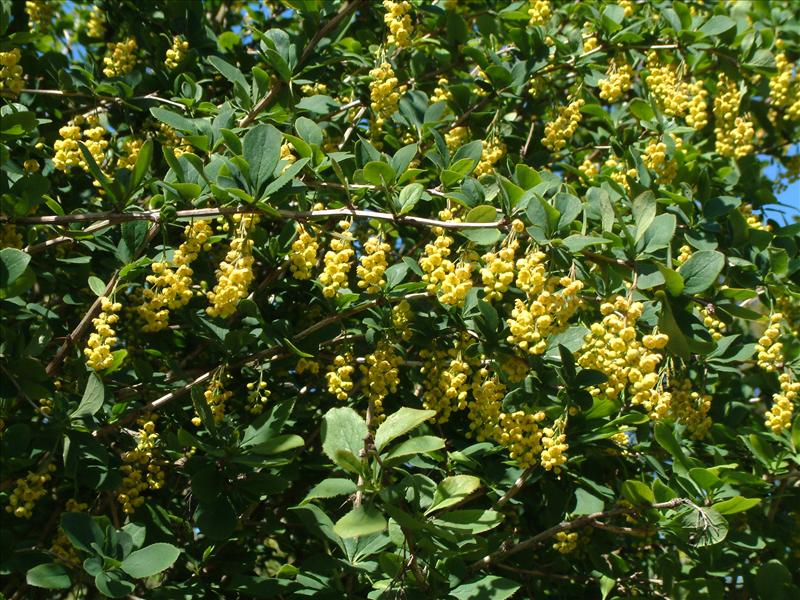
434,298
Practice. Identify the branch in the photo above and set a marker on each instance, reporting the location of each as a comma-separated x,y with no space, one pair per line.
578,523
153,215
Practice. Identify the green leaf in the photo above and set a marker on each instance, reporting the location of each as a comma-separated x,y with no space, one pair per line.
666,439
82,531
570,207
379,173
141,167
309,131
330,488
773,581
470,521
93,397
150,560
641,110
716,25
489,587
285,177
482,214
400,423
174,120
229,72
51,576
362,520
701,270
409,196
343,433
13,263
706,526
735,505
113,585
587,503
452,490
638,492
644,211
261,148
416,445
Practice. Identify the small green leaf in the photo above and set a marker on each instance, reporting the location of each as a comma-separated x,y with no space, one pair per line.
701,270
13,263
330,488
51,576
343,433
452,490
362,520
93,397
735,505
261,148
482,214
150,560
416,445
379,173
409,196
489,587
400,423
641,110
638,492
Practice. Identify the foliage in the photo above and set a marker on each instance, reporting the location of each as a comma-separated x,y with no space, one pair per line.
460,298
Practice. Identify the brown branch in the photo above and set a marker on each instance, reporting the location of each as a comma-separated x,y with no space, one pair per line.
153,215
514,489
578,523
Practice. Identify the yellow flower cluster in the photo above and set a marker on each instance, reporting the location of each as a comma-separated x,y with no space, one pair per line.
486,405
779,417
381,375
498,271
558,132
171,139
617,80
781,83
303,254
61,545
734,134
96,25
531,325
340,376
171,289
31,165
45,407
538,12
685,252
216,397
457,284
665,83
441,93
27,491
690,408
129,154
769,349
121,58
98,347
434,262
143,468
9,236
520,434
446,383
373,266
456,137
40,13
589,168
753,221
554,446
398,20
716,328
385,92
11,71
235,273
612,347
338,261
655,159
566,542
619,173
304,365
493,150
68,153
627,7
177,52
314,89
257,397
401,317
697,108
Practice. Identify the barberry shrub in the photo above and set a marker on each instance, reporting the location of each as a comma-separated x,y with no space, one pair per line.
420,298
